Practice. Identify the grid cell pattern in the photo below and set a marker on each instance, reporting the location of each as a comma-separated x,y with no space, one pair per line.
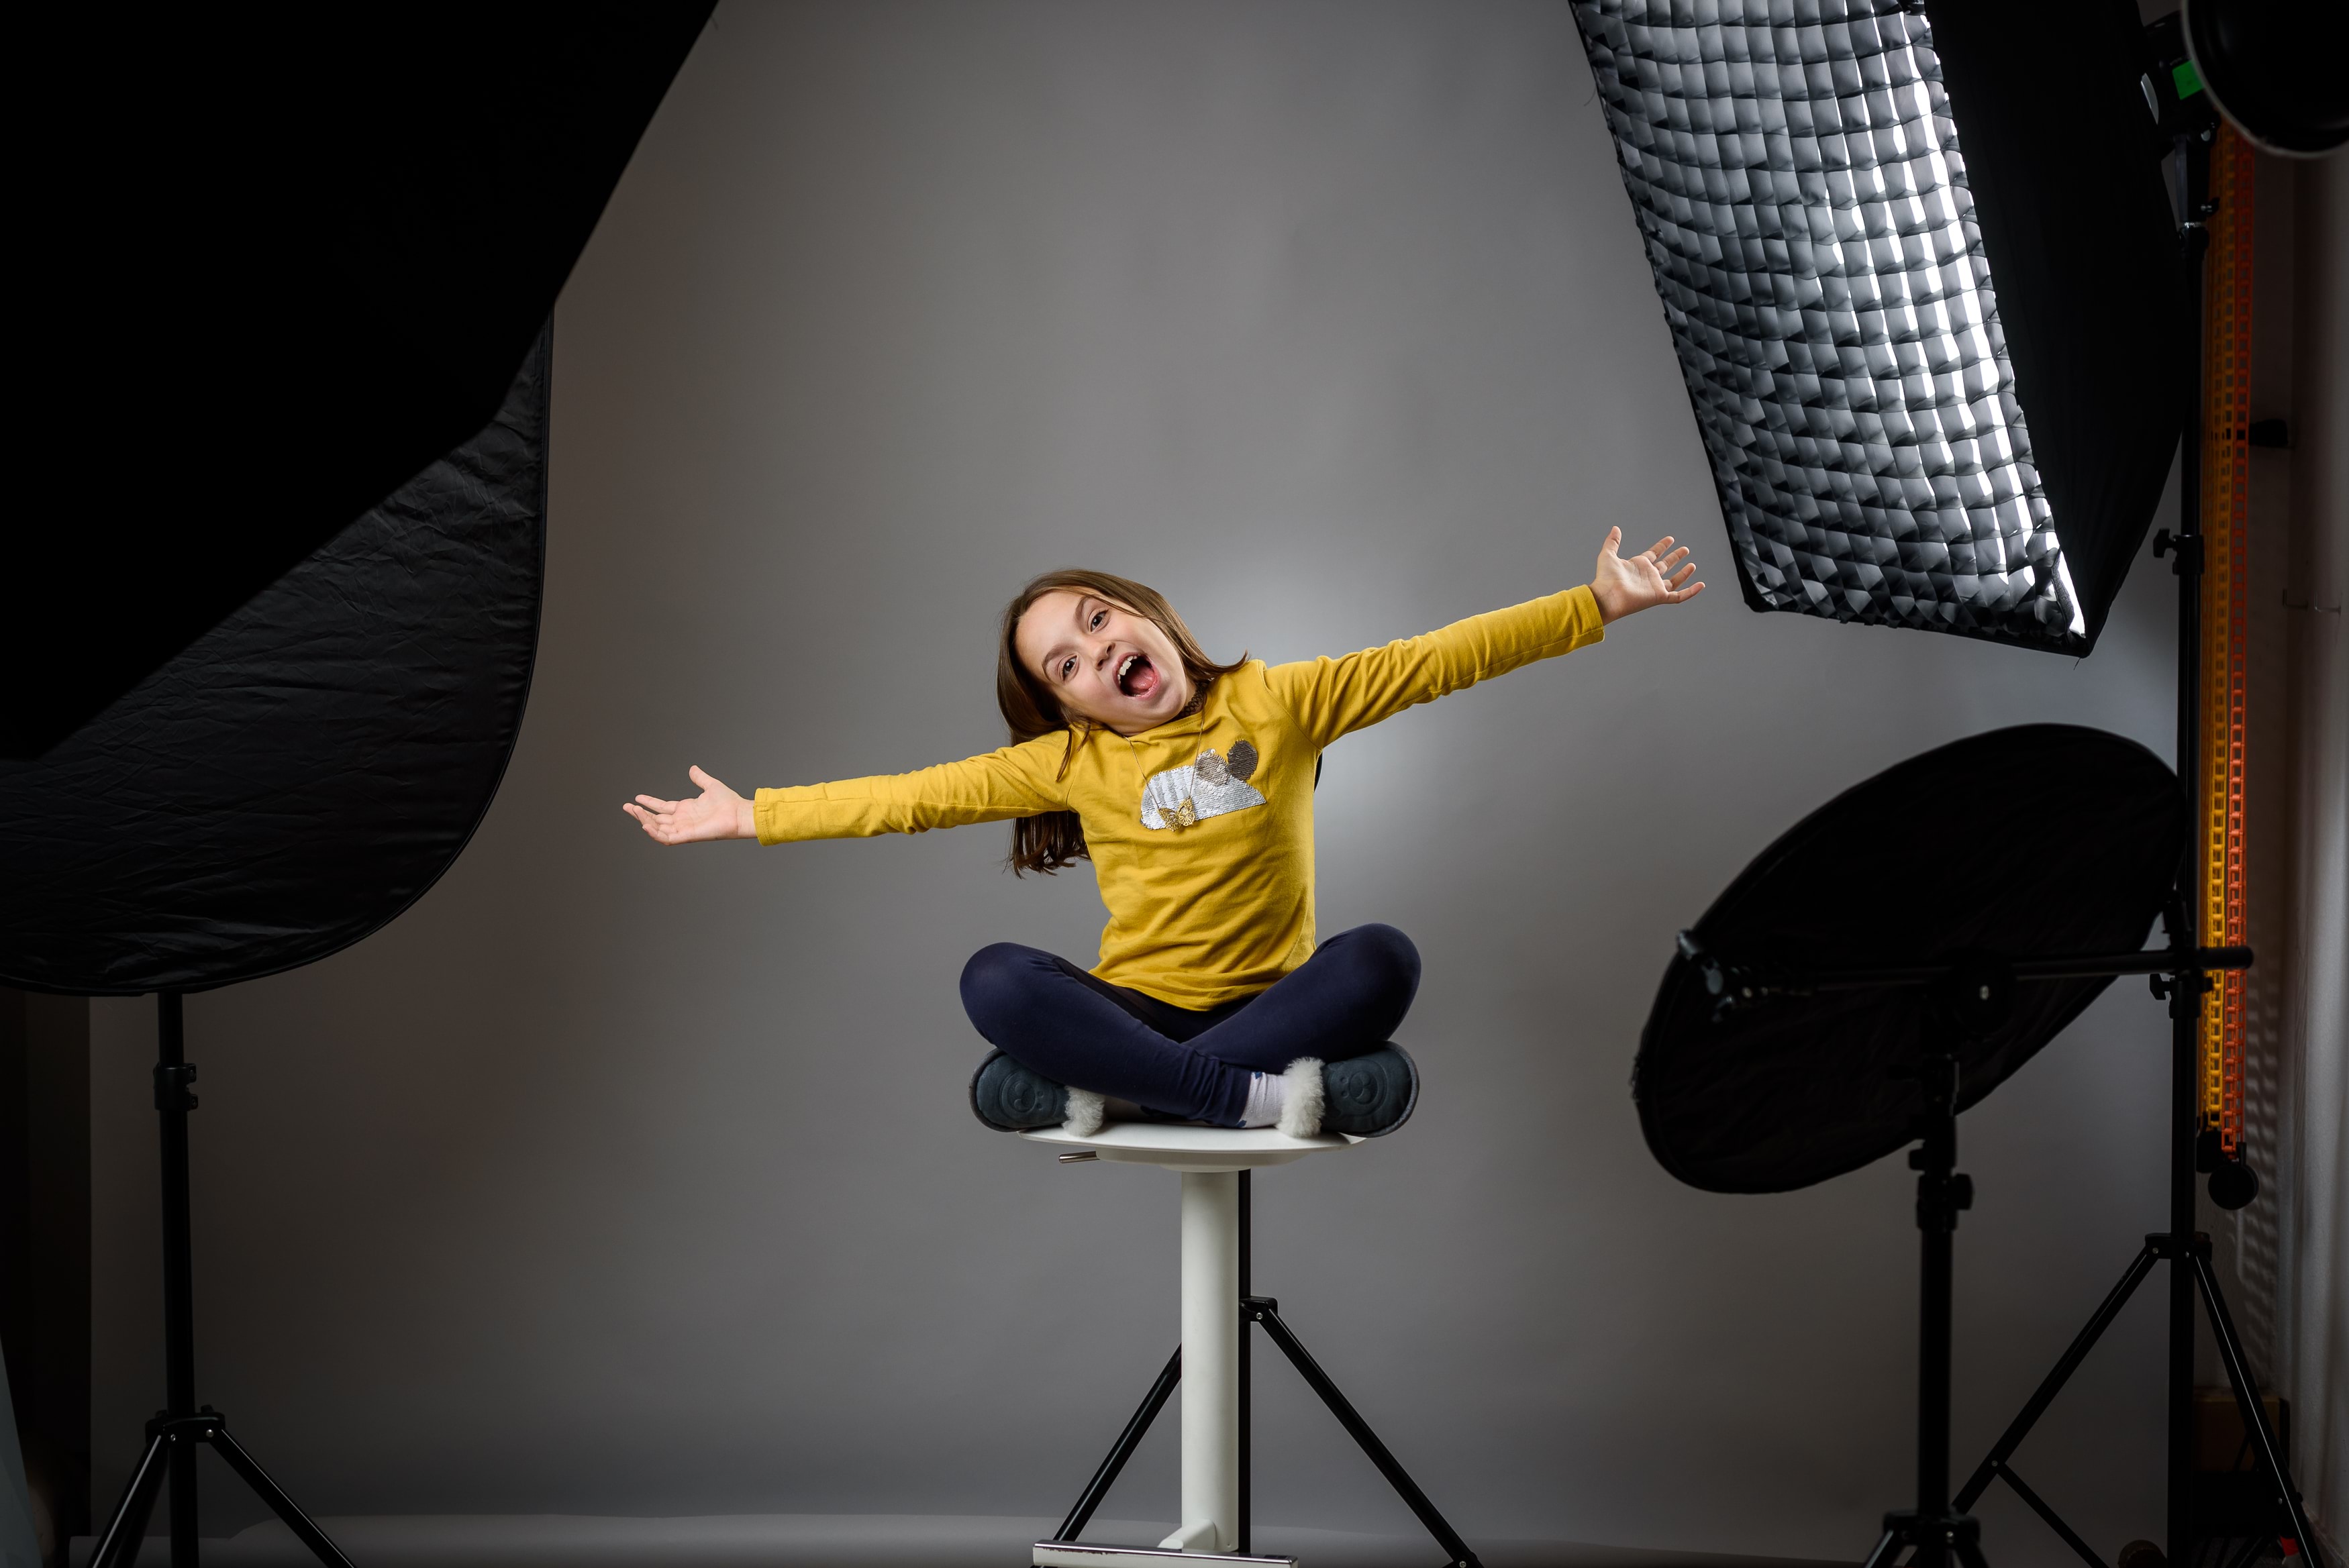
1795,173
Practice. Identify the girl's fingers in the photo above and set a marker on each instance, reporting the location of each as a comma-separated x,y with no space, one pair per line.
1683,596
656,803
1674,559
1683,575
1614,539
1656,551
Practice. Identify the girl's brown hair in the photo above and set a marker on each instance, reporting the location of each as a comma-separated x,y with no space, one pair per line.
1056,839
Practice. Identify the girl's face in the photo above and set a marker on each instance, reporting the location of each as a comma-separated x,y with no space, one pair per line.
1102,661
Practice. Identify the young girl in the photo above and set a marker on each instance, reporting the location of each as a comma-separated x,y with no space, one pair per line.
1189,785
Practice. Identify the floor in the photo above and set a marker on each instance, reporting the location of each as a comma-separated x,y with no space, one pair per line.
839,1540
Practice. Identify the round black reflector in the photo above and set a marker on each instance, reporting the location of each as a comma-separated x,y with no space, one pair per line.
2040,839
2274,70
302,772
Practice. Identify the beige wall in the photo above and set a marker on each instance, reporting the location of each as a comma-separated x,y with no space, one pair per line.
2282,1257
2315,1204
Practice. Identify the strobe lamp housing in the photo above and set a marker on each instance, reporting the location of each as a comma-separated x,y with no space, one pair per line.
1922,280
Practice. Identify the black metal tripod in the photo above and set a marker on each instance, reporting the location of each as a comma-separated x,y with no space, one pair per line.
1264,1311
1968,997
2188,1252
181,1425
1941,1536
2184,1249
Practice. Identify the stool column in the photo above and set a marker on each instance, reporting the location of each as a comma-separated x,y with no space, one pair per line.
1211,1357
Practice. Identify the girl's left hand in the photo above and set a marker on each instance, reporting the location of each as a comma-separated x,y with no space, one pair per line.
1654,576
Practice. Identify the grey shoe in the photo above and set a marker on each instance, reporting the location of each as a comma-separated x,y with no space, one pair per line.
1009,1098
1370,1095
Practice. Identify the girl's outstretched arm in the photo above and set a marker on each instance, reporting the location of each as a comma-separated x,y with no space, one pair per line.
1022,780
1330,697
715,813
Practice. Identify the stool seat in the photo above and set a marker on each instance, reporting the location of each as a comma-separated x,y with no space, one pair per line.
1186,1145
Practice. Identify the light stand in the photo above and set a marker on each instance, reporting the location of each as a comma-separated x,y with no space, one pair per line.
2184,1249
1969,997
181,1425
1938,1533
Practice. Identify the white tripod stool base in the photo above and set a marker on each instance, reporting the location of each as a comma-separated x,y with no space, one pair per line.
1205,1536
1210,1160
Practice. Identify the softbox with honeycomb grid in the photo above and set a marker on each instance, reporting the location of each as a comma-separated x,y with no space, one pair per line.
1922,280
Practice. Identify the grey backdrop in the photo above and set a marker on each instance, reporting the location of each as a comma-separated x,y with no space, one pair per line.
628,1181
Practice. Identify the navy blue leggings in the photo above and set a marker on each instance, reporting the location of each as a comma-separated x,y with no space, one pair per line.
1051,1017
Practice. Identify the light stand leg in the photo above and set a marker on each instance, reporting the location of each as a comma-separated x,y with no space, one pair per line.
1933,1377
2247,1400
2186,1000
1941,1193
1941,1536
117,1546
2185,1006
280,1501
174,1100
1995,1460
173,1435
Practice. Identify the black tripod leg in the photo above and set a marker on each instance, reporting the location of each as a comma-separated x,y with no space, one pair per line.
1359,1430
184,1544
279,1502
1127,1441
2085,1341
2071,1537
119,1547
2250,1552
2246,1397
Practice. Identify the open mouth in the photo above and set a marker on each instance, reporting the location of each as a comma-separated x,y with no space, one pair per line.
1137,676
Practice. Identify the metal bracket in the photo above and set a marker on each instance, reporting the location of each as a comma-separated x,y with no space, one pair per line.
171,1090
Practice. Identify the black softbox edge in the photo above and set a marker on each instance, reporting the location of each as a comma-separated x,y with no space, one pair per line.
537,361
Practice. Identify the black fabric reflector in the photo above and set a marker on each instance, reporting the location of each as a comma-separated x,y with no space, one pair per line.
2029,842
302,772
1846,332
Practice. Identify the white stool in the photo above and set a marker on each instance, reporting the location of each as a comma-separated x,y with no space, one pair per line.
1212,1360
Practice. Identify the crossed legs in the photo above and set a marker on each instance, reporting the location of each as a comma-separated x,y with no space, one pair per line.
1053,1018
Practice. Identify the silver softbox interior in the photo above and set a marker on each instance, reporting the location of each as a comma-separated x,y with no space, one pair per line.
1798,179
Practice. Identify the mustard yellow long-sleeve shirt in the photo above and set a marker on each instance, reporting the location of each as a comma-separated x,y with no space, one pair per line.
1201,830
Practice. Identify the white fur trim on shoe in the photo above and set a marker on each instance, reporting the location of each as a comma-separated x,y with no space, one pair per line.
1300,1113
1086,1112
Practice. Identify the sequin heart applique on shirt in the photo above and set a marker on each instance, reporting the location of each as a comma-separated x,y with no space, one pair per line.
1210,786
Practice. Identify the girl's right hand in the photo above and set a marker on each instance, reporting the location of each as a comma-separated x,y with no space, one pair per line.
715,813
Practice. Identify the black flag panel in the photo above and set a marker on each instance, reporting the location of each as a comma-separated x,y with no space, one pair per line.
307,768
278,261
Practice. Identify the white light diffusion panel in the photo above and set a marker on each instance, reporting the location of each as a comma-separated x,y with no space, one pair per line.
1796,176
